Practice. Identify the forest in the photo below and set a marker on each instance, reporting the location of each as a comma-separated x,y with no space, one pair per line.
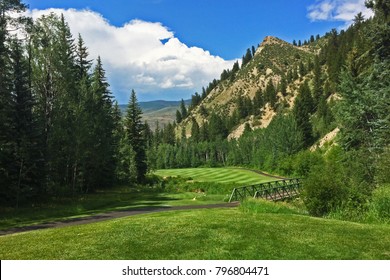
63,134
61,131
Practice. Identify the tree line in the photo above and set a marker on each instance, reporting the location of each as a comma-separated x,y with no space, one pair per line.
61,132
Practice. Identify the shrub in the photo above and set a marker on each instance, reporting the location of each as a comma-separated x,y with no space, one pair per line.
264,206
380,203
325,189
305,161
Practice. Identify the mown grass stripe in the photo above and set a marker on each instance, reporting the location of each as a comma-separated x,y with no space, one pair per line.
222,175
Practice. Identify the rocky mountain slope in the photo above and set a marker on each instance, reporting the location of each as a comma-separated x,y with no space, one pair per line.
274,61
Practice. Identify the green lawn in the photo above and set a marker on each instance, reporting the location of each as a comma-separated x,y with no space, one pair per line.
205,234
217,175
100,202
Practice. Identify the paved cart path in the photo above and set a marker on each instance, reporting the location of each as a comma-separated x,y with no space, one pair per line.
112,215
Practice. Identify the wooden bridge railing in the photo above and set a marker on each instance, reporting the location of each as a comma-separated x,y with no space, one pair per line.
274,190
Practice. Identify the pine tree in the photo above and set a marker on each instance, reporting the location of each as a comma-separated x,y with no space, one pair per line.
246,58
26,152
168,134
83,64
134,132
178,117
283,86
183,109
302,110
317,81
253,51
8,9
302,69
270,94
195,132
258,102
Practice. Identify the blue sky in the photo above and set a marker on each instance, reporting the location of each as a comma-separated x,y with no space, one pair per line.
204,37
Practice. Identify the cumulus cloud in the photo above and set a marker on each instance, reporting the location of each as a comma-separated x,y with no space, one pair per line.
338,10
143,55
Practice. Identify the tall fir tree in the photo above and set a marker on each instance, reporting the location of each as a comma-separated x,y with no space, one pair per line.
302,111
183,109
27,156
134,131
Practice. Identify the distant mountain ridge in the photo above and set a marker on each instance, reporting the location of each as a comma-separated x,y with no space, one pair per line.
162,111
155,105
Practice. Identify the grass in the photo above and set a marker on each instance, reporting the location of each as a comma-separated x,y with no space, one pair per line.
99,202
205,234
217,175
209,186
256,230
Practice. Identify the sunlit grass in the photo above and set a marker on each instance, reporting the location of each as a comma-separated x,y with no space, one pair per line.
204,234
218,175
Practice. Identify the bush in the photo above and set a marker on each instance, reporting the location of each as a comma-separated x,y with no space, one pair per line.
305,161
383,167
380,203
264,206
325,189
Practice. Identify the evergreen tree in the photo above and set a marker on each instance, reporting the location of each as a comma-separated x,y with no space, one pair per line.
258,102
302,69
317,81
102,121
8,170
283,86
83,64
302,110
253,51
216,128
195,131
204,93
183,109
178,117
134,132
168,134
204,132
270,94
246,58
26,159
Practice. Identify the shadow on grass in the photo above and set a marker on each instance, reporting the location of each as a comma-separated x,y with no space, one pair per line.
95,206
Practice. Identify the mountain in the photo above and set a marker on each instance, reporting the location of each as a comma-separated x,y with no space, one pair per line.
274,62
158,110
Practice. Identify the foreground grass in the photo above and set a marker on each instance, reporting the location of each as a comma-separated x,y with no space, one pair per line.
205,234
217,175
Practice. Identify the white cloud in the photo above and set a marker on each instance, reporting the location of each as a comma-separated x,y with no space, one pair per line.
338,10
143,55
